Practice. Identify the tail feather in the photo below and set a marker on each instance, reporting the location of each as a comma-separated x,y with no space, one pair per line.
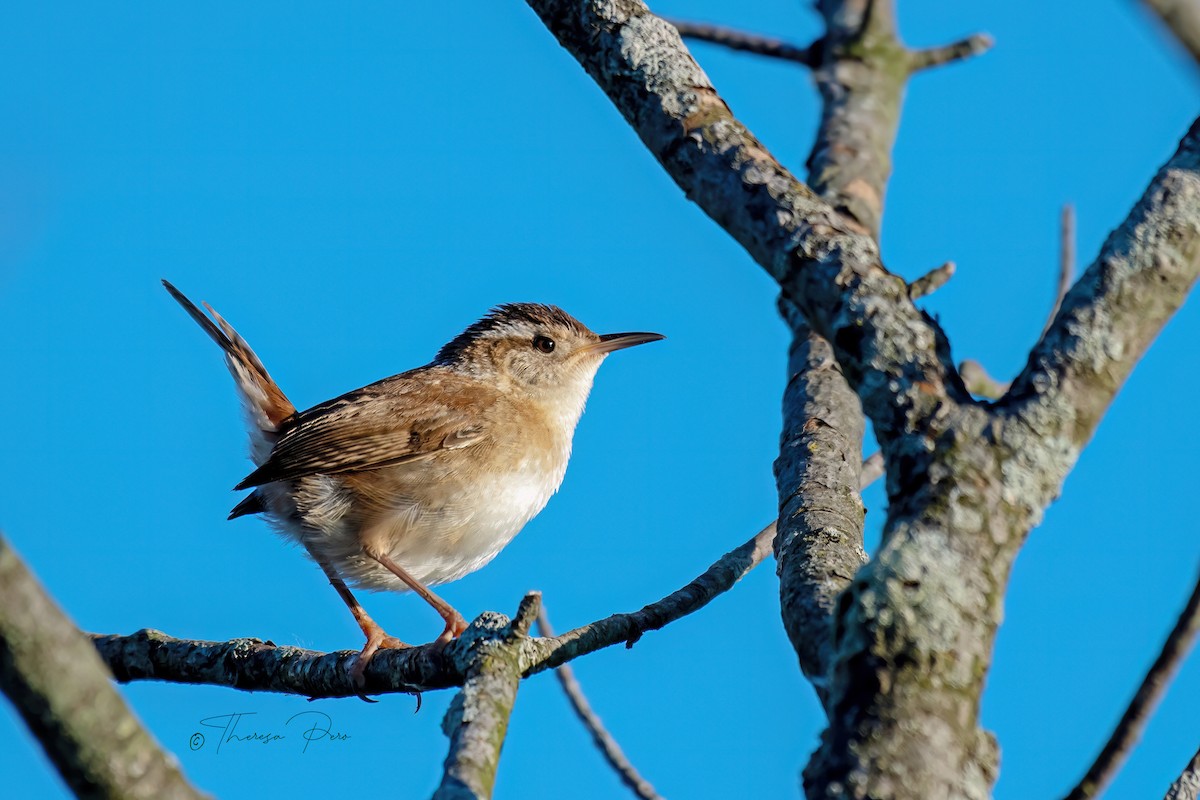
250,504
265,403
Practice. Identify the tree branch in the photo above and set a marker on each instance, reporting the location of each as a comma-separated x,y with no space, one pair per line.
819,475
882,635
65,695
1182,21
253,665
826,263
819,546
861,82
966,482
975,45
546,654
256,666
603,740
747,42
488,654
1129,730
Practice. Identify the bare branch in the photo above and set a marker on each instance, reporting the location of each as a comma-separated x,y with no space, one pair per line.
1154,685
477,720
1187,786
591,721
257,666
861,84
1066,261
546,654
931,281
747,42
1182,20
974,45
869,682
819,545
53,677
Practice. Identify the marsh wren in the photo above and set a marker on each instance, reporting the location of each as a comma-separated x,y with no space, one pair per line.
423,477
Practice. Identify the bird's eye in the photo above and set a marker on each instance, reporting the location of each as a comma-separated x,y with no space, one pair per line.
543,344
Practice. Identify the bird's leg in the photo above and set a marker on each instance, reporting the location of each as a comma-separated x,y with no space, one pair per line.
455,624
376,637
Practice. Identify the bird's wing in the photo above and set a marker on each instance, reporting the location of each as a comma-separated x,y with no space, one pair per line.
388,423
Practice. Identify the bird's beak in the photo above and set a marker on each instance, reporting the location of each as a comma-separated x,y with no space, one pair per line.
619,341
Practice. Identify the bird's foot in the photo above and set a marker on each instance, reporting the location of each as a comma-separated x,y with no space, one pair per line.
376,640
455,625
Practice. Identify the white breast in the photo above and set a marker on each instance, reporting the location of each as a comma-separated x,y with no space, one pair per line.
435,545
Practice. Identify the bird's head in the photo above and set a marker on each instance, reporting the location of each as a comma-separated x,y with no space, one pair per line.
539,350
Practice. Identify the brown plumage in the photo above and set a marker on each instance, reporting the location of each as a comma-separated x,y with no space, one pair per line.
422,477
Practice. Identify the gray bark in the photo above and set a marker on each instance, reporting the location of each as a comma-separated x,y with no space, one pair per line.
489,656
258,666
913,634
819,546
61,689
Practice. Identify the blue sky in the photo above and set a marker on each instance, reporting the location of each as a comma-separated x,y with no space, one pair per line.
351,187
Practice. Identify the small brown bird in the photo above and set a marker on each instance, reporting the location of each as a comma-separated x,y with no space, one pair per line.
423,477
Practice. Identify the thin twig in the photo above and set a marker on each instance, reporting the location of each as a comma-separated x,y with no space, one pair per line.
719,578
600,736
1154,685
746,42
1066,261
931,281
937,56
